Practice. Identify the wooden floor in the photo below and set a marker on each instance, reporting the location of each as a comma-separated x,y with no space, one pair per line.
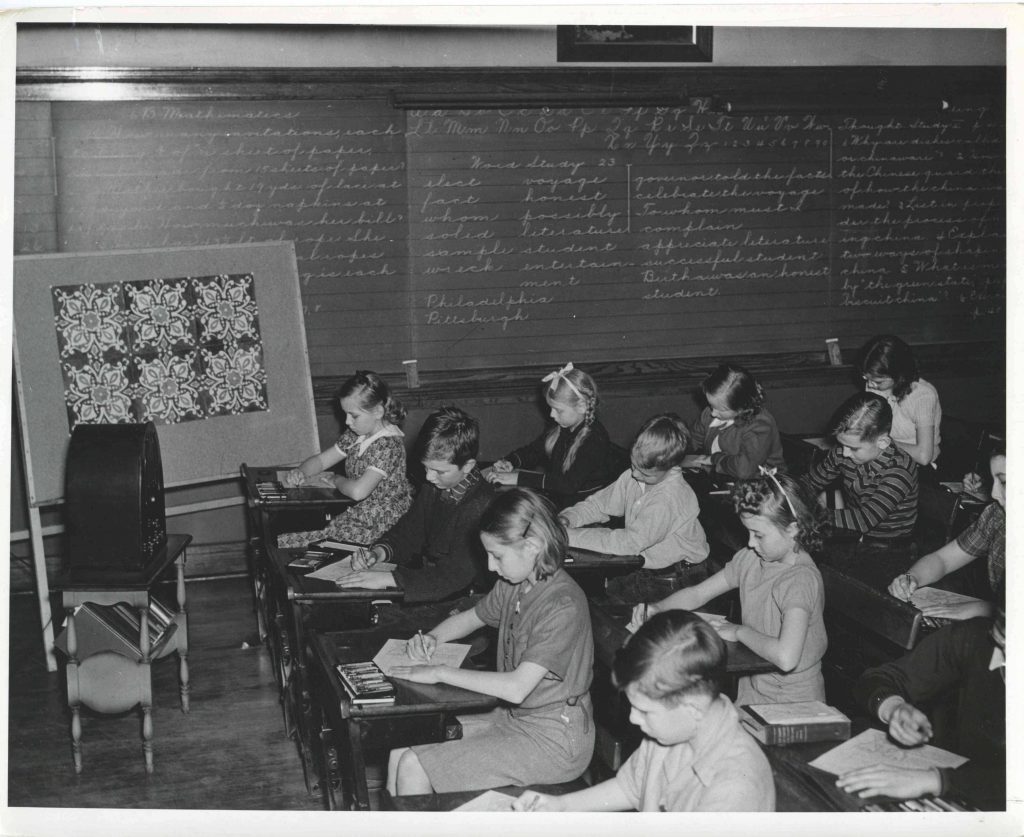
229,752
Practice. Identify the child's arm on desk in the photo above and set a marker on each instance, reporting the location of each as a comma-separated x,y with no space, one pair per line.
360,488
607,796
313,465
689,598
785,649
930,568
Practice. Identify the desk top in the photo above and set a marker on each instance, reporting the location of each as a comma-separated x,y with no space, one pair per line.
83,579
609,625
452,800
302,588
587,559
413,698
856,584
302,496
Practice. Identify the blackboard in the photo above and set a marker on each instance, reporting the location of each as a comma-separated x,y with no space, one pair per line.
195,446
492,237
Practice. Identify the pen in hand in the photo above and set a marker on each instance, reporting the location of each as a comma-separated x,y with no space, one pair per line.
423,646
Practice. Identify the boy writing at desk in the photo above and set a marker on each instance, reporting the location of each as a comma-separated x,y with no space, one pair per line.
660,511
878,479
436,543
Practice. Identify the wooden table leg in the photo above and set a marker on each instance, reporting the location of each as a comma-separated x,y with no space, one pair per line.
360,792
147,735
183,675
76,735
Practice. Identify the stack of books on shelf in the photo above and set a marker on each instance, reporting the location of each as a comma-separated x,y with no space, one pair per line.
117,627
795,723
366,683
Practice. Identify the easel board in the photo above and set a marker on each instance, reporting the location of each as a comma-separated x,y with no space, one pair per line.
192,451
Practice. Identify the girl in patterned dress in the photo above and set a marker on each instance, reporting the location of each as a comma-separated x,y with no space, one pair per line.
374,453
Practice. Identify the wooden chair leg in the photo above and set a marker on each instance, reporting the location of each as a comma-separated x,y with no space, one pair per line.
147,736
76,736
186,685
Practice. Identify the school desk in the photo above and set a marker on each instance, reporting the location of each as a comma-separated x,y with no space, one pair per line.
418,803
296,605
317,502
421,714
590,561
616,738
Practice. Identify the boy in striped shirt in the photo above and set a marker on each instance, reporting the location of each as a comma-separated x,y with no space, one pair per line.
878,479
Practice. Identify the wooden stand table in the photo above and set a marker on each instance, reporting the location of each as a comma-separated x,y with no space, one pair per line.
109,681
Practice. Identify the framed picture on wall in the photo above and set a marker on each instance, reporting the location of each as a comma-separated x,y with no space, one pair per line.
634,43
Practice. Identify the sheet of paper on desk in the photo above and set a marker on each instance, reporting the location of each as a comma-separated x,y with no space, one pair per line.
924,597
393,654
488,801
339,569
873,747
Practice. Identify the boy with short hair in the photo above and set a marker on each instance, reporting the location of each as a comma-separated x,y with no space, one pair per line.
879,479
436,544
660,511
695,755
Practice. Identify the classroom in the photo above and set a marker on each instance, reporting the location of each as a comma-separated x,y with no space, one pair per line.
517,272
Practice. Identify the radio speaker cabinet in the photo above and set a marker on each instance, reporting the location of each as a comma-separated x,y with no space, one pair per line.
114,494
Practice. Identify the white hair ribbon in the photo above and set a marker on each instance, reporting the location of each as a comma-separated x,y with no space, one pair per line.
770,473
560,374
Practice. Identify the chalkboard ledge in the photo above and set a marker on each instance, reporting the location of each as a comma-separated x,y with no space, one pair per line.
650,377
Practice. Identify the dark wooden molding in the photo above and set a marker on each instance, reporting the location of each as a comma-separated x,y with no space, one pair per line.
563,85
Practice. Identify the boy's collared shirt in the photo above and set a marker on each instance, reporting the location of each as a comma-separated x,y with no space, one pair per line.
721,768
458,491
660,521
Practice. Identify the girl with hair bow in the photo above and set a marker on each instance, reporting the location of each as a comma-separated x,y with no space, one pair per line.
574,457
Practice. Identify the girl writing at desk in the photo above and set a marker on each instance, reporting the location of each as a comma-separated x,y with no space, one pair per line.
782,596
575,456
374,453
545,732
985,538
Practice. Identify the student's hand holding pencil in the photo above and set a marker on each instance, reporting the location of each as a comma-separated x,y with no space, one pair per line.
641,613
903,586
909,726
421,646
364,558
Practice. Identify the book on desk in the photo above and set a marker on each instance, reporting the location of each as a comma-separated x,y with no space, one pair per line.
795,723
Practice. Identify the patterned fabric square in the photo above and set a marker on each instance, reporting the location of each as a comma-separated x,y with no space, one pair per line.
235,381
160,315
169,389
161,350
98,393
90,320
226,309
